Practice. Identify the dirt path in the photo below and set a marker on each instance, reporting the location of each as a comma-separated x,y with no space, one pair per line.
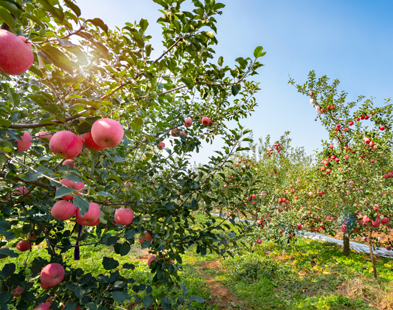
220,295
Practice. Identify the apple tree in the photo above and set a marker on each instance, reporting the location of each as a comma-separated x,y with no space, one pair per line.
356,160
96,140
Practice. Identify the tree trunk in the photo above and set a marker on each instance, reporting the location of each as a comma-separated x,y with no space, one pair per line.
372,254
347,249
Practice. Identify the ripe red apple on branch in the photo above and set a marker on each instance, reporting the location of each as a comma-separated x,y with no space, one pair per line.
16,56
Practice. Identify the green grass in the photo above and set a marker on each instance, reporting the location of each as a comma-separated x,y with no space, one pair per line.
309,275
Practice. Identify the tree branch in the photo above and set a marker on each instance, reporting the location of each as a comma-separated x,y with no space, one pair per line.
2,175
23,126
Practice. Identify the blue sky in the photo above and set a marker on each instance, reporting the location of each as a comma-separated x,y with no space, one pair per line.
349,40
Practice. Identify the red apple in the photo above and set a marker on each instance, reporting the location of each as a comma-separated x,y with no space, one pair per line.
44,306
43,135
161,145
24,144
124,216
145,237
52,274
63,210
107,132
76,186
187,122
299,226
385,220
90,217
89,142
205,121
175,132
23,245
69,162
376,223
151,259
259,241
96,222
382,127
66,143
16,56
17,291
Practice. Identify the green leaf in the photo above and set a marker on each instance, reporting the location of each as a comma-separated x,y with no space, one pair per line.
235,89
119,296
258,51
73,178
81,203
11,5
196,298
138,39
5,123
5,251
184,288
99,23
105,194
102,50
220,61
51,9
109,263
128,266
58,58
148,49
219,6
136,124
122,248
73,7
65,43
210,34
188,81
7,18
85,279
5,230
118,159
91,306
148,301
8,270
30,176
34,19
143,23
166,303
5,297
70,306
35,71
62,191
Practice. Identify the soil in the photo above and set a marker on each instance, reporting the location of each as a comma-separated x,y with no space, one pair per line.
220,295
